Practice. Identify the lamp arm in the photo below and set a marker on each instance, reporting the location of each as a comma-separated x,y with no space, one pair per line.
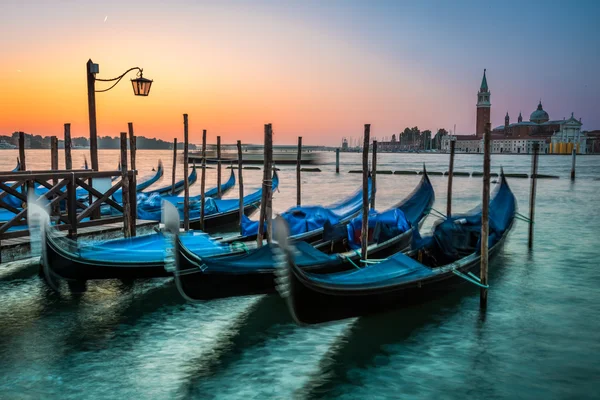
118,78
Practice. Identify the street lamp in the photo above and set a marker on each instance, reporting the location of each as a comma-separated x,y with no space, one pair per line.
141,87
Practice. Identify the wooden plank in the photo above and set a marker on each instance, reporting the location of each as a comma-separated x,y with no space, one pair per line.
22,158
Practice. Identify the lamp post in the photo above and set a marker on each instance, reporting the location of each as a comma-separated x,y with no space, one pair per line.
141,87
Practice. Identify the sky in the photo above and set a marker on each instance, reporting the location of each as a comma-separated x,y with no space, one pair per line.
317,69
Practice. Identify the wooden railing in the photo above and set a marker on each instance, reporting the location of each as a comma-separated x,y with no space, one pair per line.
67,210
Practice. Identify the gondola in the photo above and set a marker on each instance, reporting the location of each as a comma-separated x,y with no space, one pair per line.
179,185
146,183
204,278
219,213
307,223
223,214
434,266
131,258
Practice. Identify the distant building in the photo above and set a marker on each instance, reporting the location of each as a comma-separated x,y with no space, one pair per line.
552,136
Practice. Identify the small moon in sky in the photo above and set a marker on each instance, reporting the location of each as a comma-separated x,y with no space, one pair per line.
105,18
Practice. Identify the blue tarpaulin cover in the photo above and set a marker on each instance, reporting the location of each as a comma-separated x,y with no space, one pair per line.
309,218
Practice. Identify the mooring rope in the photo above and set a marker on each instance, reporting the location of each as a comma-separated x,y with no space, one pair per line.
469,279
523,218
439,213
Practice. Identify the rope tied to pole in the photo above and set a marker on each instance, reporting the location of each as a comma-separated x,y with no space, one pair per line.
471,278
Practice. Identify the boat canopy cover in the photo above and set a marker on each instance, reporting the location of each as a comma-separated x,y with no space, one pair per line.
304,219
382,226
145,248
264,259
401,268
461,234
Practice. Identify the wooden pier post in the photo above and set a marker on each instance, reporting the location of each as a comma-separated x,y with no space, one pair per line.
374,174
68,146
240,181
133,183
265,191
54,154
573,155
174,166
203,180
450,175
186,183
337,160
485,213
125,187
269,186
91,88
22,151
298,167
534,172
365,208
219,167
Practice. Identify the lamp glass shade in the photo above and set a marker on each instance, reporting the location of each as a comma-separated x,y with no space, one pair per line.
141,86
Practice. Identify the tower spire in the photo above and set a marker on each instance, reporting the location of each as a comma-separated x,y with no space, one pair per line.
484,85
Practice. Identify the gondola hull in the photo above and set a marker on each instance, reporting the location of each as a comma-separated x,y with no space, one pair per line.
206,285
306,300
68,267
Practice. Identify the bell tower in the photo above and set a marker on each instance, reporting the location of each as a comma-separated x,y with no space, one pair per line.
483,107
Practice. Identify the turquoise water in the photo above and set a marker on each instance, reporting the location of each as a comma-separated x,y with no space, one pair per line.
540,337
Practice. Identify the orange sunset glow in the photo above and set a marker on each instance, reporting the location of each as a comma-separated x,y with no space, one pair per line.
317,70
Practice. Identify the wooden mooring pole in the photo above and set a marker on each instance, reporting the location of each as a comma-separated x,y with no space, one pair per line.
534,172
54,154
337,161
365,189
22,151
240,182
374,174
269,186
219,167
125,187
133,183
186,183
485,212
573,155
68,146
450,175
298,167
173,174
265,191
203,180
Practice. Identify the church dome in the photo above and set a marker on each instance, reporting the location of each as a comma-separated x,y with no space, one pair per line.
539,116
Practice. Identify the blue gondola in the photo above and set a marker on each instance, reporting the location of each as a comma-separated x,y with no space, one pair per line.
203,278
307,223
218,213
432,267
